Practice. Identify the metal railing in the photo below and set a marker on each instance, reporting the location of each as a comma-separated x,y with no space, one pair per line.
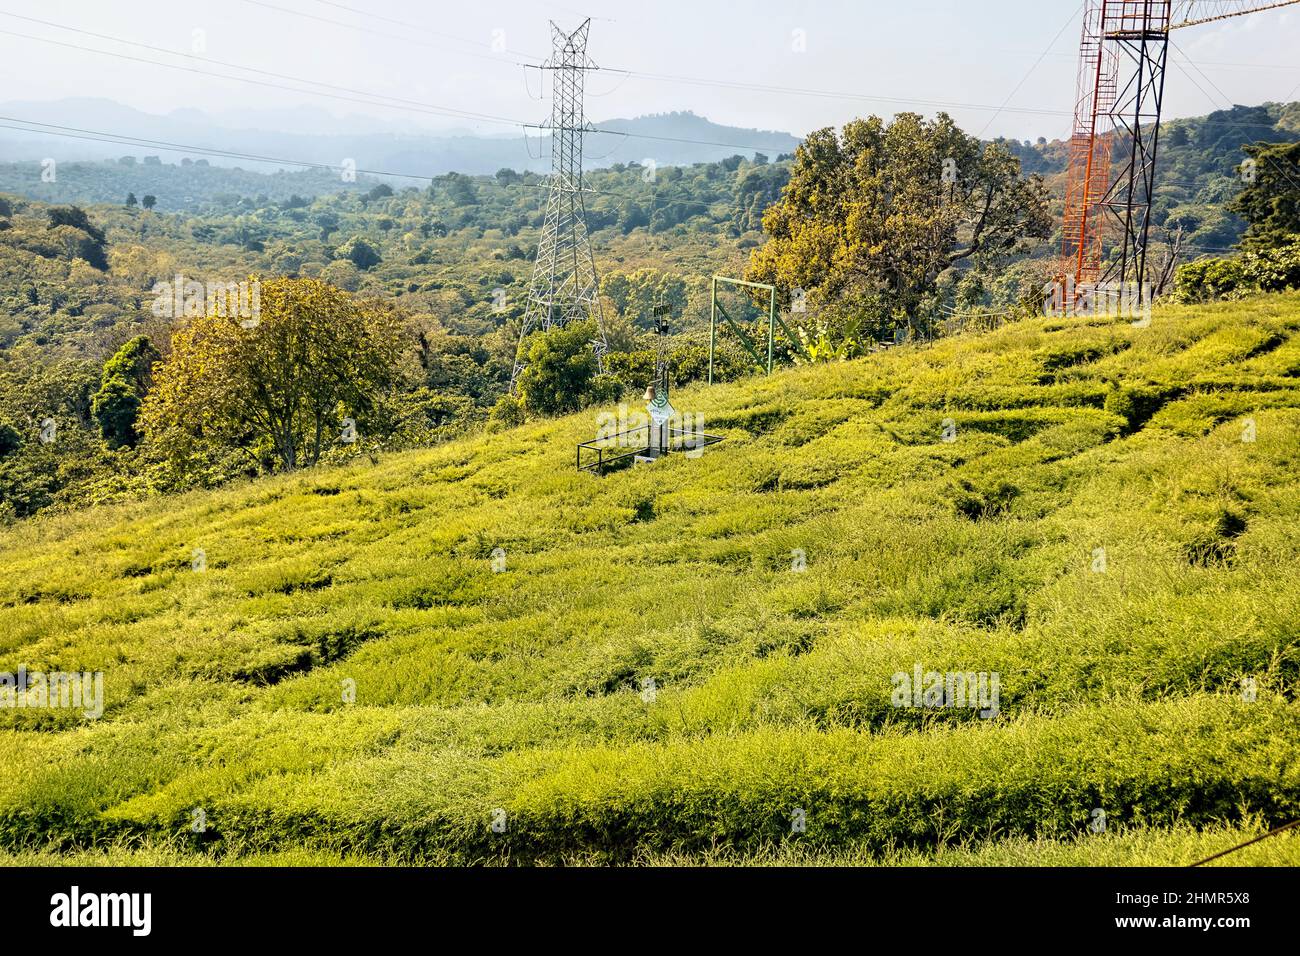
623,451
690,440
613,451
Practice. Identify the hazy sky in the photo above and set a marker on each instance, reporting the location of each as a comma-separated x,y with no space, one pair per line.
447,56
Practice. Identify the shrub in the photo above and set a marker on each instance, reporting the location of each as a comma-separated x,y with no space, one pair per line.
562,374
10,440
1232,277
508,412
359,252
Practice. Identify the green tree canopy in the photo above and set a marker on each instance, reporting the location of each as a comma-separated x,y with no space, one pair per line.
280,388
873,216
10,439
562,374
635,294
1270,201
81,238
359,252
126,379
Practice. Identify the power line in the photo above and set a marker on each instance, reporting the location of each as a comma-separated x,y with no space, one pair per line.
668,77
1227,100
790,90
437,111
1065,26
402,23
1229,14
233,66
376,99
829,94
1228,63
647,75
381,33
667,139
74,132
1241,846
419,106
362,96
372,99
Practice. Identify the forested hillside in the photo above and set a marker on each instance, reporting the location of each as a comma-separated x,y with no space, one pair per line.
81,284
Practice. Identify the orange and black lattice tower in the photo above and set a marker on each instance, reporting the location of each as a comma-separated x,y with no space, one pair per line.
1110,181
1088,174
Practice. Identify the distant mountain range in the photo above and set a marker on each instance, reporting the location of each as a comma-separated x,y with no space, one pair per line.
315,136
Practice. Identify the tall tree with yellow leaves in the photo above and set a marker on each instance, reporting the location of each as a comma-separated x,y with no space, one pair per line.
278,386
874,215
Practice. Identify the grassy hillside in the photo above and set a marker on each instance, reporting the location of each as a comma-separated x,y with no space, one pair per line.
525,690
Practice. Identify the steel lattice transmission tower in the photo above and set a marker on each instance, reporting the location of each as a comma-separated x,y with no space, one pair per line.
564,287
1122,59
1121,85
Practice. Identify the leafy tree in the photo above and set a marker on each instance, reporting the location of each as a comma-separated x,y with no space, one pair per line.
131,201
116,406
36,474
279,390
1224,133
460,189
507,412
133,363
81,238
10,440
562,374
758,189
359,252
454,364
632,217
1266,269
247,233
75,217
636,294
872,217
328,222
342,274
1270,201
126,379
149,201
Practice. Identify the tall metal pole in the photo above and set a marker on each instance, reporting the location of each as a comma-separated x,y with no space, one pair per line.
564,287
713,324
1140,30
771,327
